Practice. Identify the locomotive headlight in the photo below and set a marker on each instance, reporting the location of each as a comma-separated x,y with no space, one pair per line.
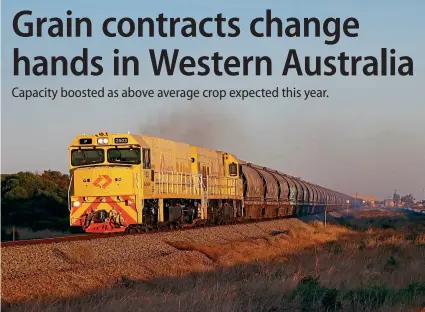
102,141
76,204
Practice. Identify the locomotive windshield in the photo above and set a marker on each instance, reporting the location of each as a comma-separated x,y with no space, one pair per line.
80,157
124,155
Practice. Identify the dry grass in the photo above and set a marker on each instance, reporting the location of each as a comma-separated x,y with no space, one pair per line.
237,268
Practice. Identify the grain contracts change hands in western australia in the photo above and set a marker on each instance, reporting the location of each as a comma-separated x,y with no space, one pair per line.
171,62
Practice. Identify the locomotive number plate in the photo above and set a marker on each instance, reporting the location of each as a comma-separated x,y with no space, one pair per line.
121,140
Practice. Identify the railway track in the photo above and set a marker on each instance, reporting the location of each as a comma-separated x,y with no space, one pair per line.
86,237
80,237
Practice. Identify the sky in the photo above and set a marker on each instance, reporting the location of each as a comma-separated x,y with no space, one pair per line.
366,137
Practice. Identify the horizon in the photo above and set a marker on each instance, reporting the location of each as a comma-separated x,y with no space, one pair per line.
129,132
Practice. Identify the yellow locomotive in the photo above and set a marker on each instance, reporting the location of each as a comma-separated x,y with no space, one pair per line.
133,183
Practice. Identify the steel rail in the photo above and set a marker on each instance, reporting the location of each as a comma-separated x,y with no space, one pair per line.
87,237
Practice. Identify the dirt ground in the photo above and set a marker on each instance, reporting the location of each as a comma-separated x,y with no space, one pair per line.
371,260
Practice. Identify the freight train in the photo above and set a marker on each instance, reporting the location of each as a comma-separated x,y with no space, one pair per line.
137,183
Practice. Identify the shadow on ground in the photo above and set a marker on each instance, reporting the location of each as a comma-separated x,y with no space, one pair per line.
371,268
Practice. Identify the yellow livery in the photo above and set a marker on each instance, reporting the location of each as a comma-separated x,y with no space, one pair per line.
128,182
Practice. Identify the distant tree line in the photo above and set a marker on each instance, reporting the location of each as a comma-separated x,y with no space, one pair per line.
37,201
408,199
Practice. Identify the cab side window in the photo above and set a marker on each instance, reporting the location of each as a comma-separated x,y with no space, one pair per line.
146,158
233,170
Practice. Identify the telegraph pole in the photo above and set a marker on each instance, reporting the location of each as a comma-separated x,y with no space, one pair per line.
326,209
358,207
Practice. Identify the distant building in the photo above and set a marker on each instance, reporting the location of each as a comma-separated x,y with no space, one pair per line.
367,198
388,203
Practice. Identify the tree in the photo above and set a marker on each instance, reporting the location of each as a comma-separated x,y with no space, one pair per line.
62,180
408,199
396,198
34,200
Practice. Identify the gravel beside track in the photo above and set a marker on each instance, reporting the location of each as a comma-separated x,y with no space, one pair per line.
74,267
